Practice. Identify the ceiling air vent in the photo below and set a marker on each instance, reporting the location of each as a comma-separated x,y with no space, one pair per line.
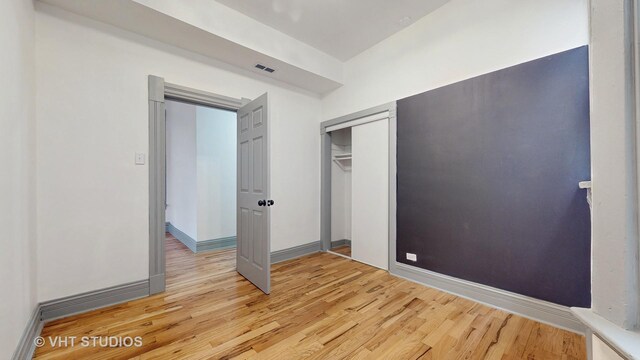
264,68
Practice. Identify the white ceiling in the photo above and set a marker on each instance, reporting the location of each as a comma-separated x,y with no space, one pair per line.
341,28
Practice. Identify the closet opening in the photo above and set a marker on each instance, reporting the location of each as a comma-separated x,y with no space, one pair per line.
341,191
356,178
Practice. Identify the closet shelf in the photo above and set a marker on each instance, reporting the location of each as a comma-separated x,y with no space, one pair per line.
343,160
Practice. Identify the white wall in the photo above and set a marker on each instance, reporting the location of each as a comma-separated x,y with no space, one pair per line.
17,184
216,136
460,40
182,194
92,116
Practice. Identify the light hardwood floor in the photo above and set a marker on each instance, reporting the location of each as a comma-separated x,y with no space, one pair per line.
322,306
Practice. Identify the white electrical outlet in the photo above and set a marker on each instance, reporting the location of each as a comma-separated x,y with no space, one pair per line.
412,257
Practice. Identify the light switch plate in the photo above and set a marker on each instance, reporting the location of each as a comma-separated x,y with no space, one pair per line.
412,257
140,158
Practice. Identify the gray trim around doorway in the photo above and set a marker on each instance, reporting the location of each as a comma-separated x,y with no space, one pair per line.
325,173
159,90
157,172
199,97
391,107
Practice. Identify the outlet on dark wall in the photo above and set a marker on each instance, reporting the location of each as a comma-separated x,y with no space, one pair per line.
488,172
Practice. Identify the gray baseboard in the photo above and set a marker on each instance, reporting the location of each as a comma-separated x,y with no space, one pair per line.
336,243
26,346
296,251
91,300
59,308
538,310
157,284
187,240
200,246
216,244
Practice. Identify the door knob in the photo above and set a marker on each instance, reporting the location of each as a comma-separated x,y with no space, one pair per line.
262,202
270,202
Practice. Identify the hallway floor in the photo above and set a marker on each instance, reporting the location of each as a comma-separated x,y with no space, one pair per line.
322,306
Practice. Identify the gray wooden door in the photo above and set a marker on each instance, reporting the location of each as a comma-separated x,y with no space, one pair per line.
253,257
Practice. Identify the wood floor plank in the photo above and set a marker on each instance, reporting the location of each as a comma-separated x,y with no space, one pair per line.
322,306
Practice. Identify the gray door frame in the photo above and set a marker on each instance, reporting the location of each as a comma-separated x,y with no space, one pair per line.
159,90
325,175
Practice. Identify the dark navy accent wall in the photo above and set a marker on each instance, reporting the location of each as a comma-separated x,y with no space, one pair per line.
488,172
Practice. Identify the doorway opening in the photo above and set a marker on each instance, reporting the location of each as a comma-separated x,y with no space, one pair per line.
201,176
252,192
